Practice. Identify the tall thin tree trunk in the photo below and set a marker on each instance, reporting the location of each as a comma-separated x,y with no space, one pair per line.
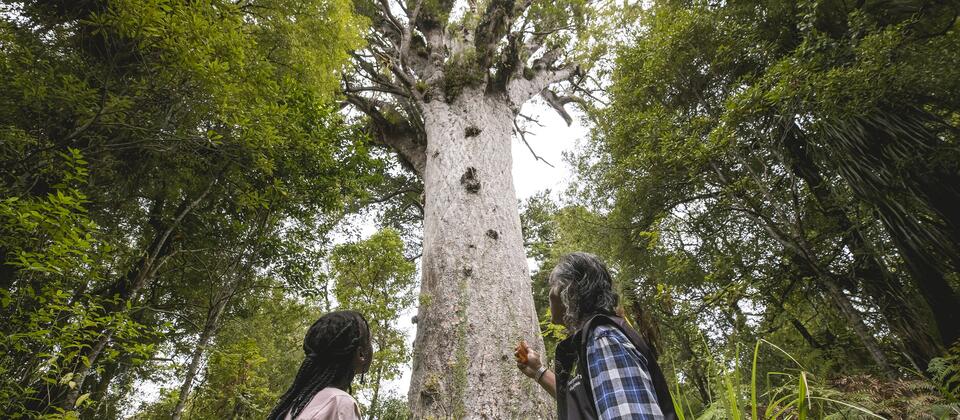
930,279
805,333
697,369
209,329
794,321
476,298
869,168
855,321
375,400
129,290
806,261
885,290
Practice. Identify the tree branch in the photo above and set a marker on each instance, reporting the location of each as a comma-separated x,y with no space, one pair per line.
493,26
408,33
522,89
557,102
523,138
397,133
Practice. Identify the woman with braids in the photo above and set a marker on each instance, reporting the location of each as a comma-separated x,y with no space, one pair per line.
605,369
337,348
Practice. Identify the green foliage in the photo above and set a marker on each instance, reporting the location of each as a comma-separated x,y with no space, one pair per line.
462,71
945,372
753,155
374,278
49,241
156,153
252,362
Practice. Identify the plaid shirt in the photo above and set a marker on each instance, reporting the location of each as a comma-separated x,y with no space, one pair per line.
619,377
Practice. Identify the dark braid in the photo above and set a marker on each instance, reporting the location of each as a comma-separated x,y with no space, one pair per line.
329,345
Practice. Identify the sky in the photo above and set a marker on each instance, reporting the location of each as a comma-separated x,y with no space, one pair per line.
531,176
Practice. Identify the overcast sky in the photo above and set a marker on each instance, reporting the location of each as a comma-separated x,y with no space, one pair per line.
550,141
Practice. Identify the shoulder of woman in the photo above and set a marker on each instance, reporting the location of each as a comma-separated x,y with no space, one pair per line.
345,406
609,339
332,404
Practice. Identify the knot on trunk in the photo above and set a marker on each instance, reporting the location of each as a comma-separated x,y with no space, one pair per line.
470,181
467,271
493,234
472,131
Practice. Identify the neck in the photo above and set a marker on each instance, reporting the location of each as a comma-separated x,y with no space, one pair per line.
343,384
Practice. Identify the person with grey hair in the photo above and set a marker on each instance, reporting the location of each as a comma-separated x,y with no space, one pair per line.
604,369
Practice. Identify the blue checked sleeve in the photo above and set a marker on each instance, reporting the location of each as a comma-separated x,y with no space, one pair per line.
621,383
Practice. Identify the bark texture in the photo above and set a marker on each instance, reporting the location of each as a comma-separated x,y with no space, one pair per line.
476,301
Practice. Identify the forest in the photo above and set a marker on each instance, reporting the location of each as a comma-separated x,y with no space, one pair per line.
186,185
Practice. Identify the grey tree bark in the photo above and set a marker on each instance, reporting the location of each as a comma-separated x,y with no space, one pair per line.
476,298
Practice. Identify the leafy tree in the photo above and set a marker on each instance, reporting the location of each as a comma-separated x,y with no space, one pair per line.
251,362
145,143
760,173
374,278
719,110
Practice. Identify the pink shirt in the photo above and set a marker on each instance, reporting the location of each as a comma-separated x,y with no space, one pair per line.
330,404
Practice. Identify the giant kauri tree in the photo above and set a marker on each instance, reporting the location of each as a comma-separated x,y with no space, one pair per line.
442,83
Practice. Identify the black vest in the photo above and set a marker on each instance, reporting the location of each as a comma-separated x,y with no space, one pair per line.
574,394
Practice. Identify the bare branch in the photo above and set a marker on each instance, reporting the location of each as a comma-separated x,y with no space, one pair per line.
384,89
369,71
385,8
391,195
494,26
531,119
408,33
523,138
557,102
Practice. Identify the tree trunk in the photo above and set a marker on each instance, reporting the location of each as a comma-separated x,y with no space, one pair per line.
476,301
209,329
805,333
374,410
128,289
875,177
884,289
697,370
930,279
855,320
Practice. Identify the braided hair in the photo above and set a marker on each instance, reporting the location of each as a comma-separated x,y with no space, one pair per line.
330,346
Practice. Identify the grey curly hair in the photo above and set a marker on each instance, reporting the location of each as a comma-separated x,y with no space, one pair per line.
585,288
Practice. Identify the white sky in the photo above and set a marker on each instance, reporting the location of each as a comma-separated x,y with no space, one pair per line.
549,142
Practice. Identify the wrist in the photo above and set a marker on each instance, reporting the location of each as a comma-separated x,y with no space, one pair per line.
540,372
